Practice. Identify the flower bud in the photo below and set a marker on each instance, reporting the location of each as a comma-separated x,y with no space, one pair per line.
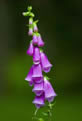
30,21
35,28
30,49
30,32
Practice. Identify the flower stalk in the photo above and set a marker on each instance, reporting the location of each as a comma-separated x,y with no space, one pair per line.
41,85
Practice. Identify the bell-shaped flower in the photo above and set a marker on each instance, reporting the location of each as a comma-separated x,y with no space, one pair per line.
49,91
46,65
38,88
29,77
36,55
30,32
40,41
37,74
35,40
39,101
30,49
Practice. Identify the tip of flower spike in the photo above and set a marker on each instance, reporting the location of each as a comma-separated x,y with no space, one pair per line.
28,12
29,8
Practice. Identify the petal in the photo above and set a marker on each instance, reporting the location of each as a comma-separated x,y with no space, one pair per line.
30,49
40,41
31,83
37,74
35,40
46,65
39,101
38,88
36,55
29,76
49,91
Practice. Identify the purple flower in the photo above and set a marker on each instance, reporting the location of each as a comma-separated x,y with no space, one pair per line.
35,28
41,86
37,74
35,40
29,76
30,31
46,65
40,41
36,55
49,91
38,88
30,49
39,101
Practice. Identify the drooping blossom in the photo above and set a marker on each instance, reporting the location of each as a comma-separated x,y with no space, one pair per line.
30,49
40,41
39,101
29,77
37,74
38,88
35,40
46,65
36,55
49,91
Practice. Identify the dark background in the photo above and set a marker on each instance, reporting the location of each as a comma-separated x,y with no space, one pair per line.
60,24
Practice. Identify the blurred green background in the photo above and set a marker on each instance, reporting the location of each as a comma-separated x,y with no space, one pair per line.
61,28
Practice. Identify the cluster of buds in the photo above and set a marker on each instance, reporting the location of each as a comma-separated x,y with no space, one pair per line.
41,85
